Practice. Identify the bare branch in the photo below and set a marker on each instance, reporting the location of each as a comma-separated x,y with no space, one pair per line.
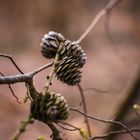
104,11
114,132
23,77
42,68
12,90
105,121
69,129
70,125
112,4
132,92
98,90
85,109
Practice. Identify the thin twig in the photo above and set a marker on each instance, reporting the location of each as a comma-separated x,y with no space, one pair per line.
132,93
114,132
104,11
53,68
22,128
84,109
74,129
105,121
98,90
11,59
65,123
92,25
42,68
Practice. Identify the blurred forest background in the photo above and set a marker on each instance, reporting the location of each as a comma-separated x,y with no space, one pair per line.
111,65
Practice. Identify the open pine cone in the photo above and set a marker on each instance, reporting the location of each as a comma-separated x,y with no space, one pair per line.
49,107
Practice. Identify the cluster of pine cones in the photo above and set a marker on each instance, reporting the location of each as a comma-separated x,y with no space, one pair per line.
52,106
71,57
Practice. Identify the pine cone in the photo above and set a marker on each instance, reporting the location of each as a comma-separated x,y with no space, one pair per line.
67,71
49,107
72,49
50,44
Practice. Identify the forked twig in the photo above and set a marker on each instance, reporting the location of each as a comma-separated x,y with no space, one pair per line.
23,77
106,121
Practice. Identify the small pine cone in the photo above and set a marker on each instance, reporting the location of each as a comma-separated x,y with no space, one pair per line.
73,49
50,44
67,71
49,107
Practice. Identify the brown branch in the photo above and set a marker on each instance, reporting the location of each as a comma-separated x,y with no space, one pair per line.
114,133
23,77
132,93
99,91
10,87
104,11
113,122
84,109
65,128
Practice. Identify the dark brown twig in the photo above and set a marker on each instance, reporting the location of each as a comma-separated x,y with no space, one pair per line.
98,90
132,92
84,109
11,59
114,132
105,121
65,128
104,11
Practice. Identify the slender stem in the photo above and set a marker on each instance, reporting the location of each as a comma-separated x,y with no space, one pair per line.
104,11
22,128
106,121
65,128
92,25
114,132
53,68
132,93
42,68
84,109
